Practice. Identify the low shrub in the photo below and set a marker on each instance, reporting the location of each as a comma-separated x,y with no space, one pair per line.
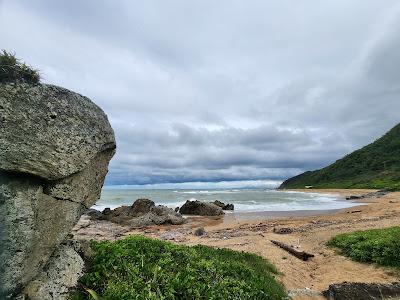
143,268
381,246
13,70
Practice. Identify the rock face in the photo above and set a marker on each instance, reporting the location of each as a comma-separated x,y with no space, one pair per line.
365,291
143,212
224,206
58,130
63,270
200,208
55,146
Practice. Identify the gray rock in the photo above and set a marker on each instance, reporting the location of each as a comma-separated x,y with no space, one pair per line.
360,290
49,131
55,146
162,215
83,187
106,211
282,230
377,194
200,231
95,214
224,206
141,206
60,274
35,224
200,208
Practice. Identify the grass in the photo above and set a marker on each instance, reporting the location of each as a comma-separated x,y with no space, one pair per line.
380,246
13,70
142,268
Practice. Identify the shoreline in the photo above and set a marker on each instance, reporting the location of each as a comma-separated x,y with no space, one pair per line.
237,217
260,215
310,232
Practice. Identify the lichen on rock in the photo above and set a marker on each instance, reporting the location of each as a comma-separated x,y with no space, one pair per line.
55,146
49,131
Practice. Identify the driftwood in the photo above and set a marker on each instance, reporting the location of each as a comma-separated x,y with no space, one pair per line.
299,254
353,211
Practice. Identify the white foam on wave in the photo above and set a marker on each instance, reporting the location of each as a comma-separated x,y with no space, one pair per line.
292,206
245,200
205,192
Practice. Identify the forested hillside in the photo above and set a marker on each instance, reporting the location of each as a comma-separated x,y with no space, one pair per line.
376,165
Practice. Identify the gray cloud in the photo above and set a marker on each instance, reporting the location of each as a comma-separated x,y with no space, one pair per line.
227,90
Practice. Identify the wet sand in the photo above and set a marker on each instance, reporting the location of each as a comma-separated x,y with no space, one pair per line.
252,232
240,217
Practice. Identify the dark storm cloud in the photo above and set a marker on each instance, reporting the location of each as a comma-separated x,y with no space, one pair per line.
220,90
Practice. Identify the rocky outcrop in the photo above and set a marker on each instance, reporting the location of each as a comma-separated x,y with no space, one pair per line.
224,206
377,194
200,208
143,212
55,146
365,291
141,207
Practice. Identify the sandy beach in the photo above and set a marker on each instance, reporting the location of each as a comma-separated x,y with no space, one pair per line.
252,232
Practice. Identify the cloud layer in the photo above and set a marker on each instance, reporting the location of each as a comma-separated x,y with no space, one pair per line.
212,91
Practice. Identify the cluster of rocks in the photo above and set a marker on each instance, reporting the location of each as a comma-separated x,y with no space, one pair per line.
377,194
143,212
55,146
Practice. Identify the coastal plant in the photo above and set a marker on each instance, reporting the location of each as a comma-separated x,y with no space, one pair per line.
380,246
13,70
142,268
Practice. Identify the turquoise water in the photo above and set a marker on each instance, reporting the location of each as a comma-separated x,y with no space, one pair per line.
254,200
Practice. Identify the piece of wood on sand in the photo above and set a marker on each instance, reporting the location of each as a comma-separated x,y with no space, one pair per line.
299,254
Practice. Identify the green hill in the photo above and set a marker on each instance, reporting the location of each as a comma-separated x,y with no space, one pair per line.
376,165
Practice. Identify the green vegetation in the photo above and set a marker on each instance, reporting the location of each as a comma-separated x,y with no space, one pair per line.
143,268
375,166
12,70
381,246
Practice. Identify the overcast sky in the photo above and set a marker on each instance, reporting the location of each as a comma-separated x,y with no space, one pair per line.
244,92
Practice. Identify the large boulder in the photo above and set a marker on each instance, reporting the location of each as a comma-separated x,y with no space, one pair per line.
200,208
143,212
50,131
55,146
141,206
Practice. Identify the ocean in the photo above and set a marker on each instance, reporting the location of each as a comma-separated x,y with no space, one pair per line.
245,200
